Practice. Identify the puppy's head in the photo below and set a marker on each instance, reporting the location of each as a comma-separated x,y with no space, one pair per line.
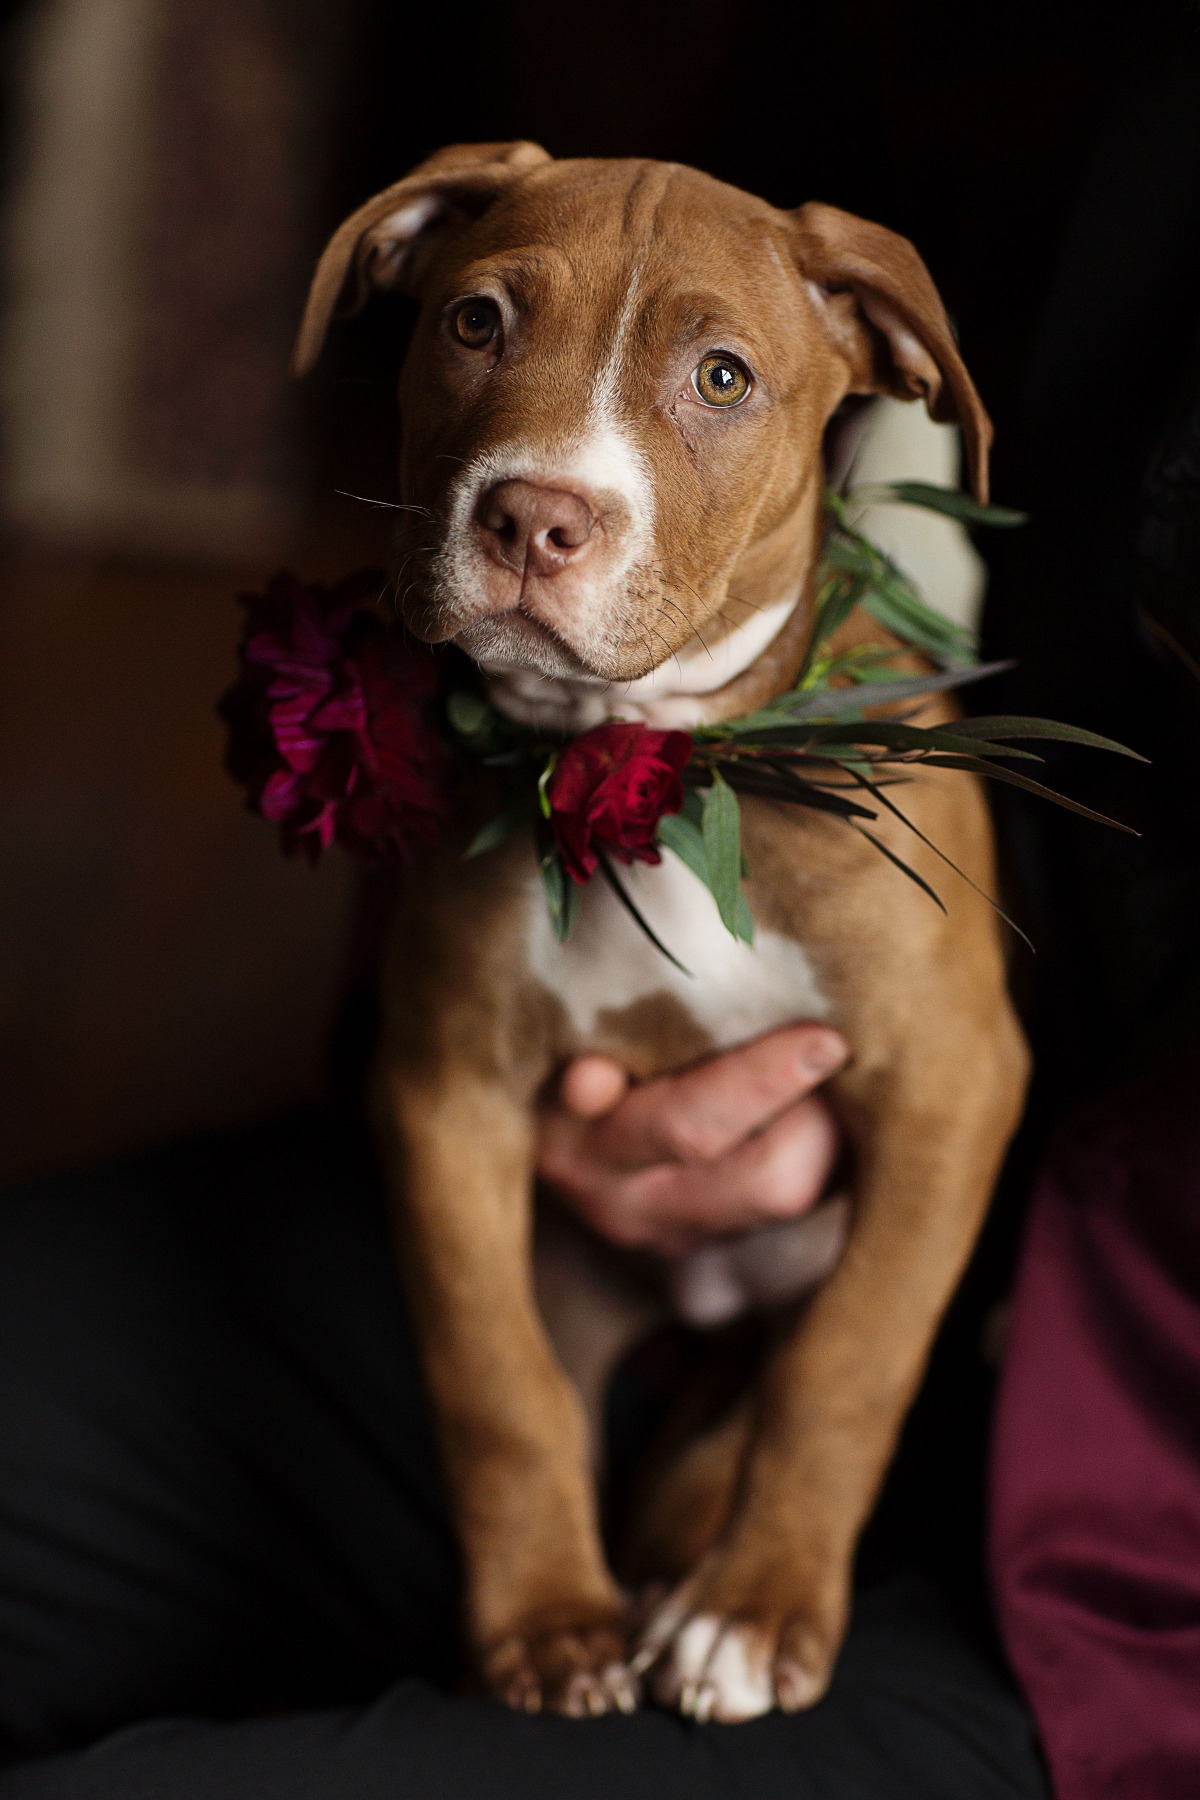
614,397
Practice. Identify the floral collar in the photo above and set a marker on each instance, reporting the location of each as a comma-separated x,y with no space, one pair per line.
343,729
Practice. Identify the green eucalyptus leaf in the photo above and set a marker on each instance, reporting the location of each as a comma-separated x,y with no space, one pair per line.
468,713
903,867
948,860
822,792
686,840
890,597
1014,778
799,707
693,802
683,836
844,738
496,831
850,554
543,786
837,602
722,828
897,736
916,624
561,894
745,919
864,663
643,924
952,502
1017,725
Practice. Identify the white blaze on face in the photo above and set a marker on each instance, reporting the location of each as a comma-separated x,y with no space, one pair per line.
607,459
599,459
606,388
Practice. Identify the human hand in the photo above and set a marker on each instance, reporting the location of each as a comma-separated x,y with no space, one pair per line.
741,1140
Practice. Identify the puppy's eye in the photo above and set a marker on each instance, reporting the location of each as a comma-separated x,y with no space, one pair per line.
721,381
476,323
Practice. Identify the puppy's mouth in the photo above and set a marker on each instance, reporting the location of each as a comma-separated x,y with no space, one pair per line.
516,640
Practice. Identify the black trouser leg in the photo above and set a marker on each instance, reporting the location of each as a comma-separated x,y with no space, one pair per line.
219,1499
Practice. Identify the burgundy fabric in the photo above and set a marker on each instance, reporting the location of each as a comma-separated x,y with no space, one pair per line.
1096,1477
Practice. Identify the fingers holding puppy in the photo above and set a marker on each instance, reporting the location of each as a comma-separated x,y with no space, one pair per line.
704,1112
738,1141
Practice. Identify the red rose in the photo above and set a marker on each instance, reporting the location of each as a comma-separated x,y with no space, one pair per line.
326,724
608,791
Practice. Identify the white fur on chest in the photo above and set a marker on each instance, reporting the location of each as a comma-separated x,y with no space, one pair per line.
734,991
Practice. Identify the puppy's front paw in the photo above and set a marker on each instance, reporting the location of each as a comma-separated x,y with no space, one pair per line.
742,1635
579,1668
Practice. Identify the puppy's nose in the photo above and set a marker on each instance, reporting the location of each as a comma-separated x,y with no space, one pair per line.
539,529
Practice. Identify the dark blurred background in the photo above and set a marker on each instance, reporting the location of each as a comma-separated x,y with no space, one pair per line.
171,169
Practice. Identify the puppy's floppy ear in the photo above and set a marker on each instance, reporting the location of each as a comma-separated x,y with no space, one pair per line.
887,320
373,247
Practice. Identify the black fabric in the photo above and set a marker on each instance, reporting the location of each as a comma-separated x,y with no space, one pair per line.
1102,451
225,1566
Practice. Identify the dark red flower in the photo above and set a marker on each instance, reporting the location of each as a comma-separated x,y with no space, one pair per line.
608,791
327,731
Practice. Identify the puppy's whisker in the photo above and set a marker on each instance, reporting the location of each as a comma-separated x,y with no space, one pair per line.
674,653
666,599
696,633
388,505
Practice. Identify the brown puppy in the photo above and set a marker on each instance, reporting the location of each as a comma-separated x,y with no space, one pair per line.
613,409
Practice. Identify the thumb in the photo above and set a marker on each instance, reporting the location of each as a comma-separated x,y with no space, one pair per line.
592,1085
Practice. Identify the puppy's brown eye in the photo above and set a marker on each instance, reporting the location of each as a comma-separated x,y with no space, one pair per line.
721,381
476,323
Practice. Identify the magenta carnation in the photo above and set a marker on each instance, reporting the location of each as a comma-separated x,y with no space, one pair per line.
327,729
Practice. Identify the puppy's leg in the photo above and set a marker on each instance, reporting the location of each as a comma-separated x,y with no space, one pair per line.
545,1617
687,1499
593,1312
687,1506
761,1619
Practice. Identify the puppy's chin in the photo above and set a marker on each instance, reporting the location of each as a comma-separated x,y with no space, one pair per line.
515,642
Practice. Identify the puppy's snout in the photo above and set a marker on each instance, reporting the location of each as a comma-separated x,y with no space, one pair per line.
537,529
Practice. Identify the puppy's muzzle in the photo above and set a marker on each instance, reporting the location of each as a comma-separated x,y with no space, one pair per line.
535,530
